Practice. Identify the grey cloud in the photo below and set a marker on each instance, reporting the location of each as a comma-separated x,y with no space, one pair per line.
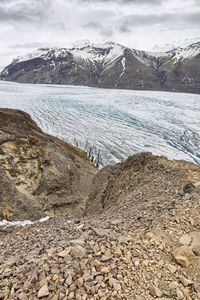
150,2
8,1
107,32
176,20
27,45
60,26
104,31
146,20
18,11
124,29
93,25
192,18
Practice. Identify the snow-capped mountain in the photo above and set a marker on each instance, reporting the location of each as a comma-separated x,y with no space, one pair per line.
93,51
110,65
186,53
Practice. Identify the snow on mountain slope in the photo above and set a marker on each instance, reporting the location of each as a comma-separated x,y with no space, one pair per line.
109,65
178,53
41,52
100,52
107,51
185,53
123,62
143,56
158,54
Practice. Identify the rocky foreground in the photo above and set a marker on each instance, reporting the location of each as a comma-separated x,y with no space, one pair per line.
114,256
139,238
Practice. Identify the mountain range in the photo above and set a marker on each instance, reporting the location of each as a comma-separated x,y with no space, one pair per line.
110,65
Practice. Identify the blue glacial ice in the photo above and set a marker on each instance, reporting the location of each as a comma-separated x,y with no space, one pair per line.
111,125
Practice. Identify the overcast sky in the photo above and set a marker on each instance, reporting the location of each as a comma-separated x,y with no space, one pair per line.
26,25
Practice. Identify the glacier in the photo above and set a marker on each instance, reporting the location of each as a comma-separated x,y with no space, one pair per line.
111,125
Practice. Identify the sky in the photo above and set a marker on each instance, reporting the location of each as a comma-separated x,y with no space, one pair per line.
152,25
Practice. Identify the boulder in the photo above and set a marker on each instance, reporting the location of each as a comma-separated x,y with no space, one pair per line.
184,256
191,239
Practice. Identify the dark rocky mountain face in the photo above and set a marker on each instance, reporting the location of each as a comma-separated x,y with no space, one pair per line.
180,71
110,65
39,174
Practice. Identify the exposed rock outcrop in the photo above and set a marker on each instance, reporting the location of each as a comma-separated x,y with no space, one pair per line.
39,174
143,183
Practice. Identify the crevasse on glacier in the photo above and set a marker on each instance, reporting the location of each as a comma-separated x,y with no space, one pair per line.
110,125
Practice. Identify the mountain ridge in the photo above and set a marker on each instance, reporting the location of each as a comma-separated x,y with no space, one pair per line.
110,65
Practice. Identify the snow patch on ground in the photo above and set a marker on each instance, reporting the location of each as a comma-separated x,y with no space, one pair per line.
6,224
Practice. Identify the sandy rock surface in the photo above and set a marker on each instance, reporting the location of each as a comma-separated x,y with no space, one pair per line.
39,174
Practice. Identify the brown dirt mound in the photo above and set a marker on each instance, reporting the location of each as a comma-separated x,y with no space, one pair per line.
143,184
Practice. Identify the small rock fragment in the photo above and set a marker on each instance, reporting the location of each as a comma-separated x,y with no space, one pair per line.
71,296
79,282
173,285
172,268
149,235
105,270
179,294
78,251
155,291
185,239
136,263
137,297
196,250
185,281
22,296
116,286
43,292
64,252
196,287
69,280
